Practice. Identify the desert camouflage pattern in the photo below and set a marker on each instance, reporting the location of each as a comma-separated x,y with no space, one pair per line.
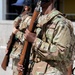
39,69
53,45
19,41
19,36
14,66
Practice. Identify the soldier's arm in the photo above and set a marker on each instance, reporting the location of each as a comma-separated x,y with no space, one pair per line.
20,36
58,49
23,26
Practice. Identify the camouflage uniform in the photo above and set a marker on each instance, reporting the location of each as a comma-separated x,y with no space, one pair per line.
52,49
19,41
53,46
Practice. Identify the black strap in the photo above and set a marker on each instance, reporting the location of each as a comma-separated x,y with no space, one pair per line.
73,70
45,69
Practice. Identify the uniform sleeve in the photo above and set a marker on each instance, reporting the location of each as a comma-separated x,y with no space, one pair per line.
20,36
16,19
23,25
58,48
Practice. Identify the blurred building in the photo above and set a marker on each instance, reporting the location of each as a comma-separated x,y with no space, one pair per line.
9,12
67,7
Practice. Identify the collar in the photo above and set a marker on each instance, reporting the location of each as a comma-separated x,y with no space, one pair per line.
53,13
47,17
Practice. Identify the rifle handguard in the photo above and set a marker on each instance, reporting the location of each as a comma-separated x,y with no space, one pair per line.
34,17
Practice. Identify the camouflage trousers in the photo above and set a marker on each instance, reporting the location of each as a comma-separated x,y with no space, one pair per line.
42,68
38,69
14,66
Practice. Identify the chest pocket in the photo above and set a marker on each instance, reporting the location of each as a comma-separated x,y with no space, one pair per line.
48,30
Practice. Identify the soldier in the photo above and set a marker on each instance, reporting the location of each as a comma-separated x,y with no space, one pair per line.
19,33
52,42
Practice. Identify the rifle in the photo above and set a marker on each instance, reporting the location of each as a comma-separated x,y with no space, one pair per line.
10,43
27,47
69,70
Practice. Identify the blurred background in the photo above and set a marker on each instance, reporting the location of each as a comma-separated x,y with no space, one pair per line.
7,10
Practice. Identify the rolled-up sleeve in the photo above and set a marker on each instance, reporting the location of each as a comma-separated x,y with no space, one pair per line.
58,49
20,35
22,27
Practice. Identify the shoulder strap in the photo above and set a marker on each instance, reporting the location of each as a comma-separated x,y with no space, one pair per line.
53,22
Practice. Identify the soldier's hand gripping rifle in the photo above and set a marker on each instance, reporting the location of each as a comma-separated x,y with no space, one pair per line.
10,44
26,47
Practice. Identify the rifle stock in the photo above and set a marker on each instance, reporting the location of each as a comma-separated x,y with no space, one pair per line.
23,54
6,57
5,62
